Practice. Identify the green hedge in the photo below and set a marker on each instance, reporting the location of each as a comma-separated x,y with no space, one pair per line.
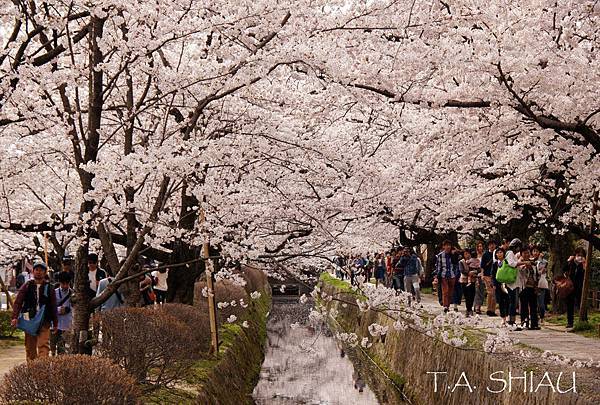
5,329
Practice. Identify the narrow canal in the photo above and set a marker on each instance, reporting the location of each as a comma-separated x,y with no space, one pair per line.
306,366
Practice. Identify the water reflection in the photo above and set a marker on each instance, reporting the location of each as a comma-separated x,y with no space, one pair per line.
306,366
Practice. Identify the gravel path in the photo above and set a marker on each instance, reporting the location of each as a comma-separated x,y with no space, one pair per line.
10,357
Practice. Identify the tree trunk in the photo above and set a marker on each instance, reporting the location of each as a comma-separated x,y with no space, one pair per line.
80,301
560,248
181,279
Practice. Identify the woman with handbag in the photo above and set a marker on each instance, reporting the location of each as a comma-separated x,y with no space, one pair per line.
502,298
34,312
516,284
468,278
574,272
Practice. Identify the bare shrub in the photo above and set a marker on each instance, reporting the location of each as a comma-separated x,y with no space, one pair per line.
153,346
195,319
69,380
256,279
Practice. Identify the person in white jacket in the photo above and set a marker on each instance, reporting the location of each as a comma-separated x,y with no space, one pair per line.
513,289
543,287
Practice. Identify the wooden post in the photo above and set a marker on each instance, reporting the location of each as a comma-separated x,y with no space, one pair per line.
46,249
583,307
212,308
212,313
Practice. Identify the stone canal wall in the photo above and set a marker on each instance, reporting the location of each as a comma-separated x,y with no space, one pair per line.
231,378
407,356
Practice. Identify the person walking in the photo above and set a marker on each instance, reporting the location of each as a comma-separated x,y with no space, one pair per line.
33,296
389,269
380,269
541,265
528,295
398,277
514,288
95,274
502,297
160,288
467,280
412,275
575,270
447,270
25,274
487,264
479,284
114,301
67,267
457,295
64,312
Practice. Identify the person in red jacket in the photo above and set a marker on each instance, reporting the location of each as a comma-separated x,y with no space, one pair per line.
31,297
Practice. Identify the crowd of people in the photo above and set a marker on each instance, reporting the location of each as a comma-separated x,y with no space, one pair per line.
514,277
43,307
399,268
508,279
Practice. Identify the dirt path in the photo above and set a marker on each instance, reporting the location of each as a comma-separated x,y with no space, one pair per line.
10,357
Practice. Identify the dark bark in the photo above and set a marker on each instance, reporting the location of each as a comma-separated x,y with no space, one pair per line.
81,305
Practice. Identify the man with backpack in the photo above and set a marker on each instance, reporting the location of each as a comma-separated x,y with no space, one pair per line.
412,274
114,301
34,296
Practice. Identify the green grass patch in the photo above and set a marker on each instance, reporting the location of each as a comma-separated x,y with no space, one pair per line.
587,328
474,338
169,396
528,347
341,286
17,339
335,282
427,290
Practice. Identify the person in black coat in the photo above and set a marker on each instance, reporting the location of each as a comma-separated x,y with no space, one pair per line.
575,270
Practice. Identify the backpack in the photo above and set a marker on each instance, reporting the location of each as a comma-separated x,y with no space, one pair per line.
20,280
412,266
506,273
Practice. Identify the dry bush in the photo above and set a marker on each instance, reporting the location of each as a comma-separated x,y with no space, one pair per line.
69,380
225,291
256,279
153,346
196,320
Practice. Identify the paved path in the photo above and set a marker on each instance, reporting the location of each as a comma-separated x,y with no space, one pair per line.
10,357
553,338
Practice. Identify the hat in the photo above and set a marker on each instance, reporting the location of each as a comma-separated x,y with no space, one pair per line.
67,258
64,277
515,242
40,264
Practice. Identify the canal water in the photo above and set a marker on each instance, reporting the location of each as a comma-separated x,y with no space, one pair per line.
306,366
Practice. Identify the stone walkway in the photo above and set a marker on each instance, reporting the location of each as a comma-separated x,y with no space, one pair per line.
553,338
